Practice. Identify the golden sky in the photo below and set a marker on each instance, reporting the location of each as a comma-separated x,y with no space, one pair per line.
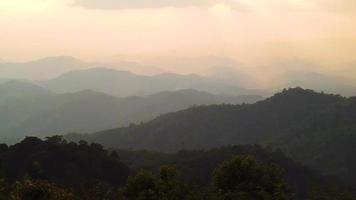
250,31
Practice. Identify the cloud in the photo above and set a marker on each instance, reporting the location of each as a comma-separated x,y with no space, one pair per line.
129,4
337,5
286,5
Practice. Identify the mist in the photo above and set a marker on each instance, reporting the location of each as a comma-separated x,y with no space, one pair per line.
177,99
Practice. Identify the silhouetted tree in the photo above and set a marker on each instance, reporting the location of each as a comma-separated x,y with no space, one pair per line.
143,186
242,177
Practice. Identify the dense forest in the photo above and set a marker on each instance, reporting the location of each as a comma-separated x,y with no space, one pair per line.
54,169
297,144
316,129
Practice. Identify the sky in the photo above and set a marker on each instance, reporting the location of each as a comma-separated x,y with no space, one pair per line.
157,32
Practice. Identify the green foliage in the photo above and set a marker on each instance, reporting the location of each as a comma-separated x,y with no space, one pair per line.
242,177
45,164
315,129
318,193
58,161
172,185
197,166
143,186
168,185
39,190
3,189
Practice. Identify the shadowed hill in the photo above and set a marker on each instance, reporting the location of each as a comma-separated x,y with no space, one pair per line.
211,126
12,89
314,128
64,163
33,110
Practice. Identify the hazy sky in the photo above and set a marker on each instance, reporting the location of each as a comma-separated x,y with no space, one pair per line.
249,31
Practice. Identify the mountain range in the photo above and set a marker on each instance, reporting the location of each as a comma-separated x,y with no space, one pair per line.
28,109
69,74
124,83
314,128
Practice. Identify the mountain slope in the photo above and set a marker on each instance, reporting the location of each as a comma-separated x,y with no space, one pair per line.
123,83
314,128
211,126
18,89
88,111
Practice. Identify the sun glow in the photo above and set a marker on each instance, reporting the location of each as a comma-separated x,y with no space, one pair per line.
24,6
221,8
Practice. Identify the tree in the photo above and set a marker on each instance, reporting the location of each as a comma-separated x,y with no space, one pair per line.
169,185
39,190
242,177
142,186
2,188
172,185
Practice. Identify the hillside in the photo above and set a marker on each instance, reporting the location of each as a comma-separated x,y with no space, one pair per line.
35,111
210,126
64,163
309,126
12,89
89,170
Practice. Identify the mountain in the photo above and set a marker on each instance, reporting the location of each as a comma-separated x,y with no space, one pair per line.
204,127
18,89
321,82
44,113
51,67
41,69
123,83
307,125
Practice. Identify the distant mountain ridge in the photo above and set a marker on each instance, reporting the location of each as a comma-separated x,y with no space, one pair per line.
61,71
41,69
123,83
11,89
33,110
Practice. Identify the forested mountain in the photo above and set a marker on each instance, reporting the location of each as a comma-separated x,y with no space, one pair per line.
26,109
67,164
321,82
218,125
38,167
124,83
309,126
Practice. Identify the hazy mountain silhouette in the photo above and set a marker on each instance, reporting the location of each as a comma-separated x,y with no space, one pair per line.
51,67
39,112
321,82
42,68
123,83
16,89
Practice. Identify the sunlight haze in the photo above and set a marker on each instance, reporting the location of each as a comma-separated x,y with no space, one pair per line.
253,32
